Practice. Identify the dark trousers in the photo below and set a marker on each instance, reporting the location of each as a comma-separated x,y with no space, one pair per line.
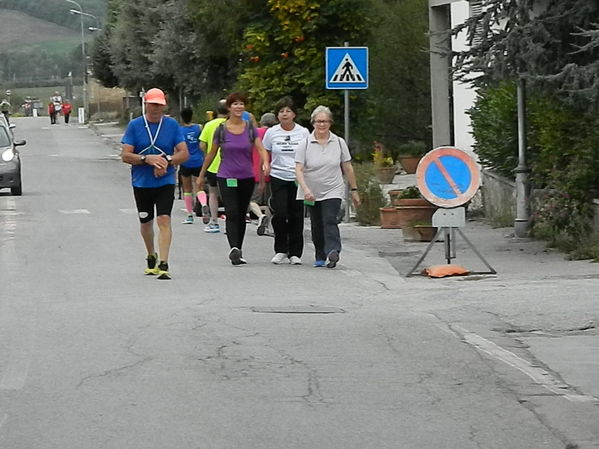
288,217
236,201
325,231
66,117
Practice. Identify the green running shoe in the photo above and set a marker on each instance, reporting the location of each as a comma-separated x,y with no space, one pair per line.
151,261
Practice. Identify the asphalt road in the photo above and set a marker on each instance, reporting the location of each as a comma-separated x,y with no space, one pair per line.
95,355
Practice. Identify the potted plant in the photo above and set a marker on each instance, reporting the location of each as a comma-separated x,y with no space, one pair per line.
412,207
410,154
394,195
385,168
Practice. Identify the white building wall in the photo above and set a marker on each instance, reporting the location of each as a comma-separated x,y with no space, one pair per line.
463,94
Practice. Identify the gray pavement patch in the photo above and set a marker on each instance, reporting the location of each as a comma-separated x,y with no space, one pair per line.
298,309
539,375
575,357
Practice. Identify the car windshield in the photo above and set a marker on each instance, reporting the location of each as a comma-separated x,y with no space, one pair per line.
4,139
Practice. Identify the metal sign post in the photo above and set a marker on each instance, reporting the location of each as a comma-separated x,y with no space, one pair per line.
346,68
448,178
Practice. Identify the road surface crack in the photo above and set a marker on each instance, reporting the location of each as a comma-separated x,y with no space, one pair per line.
114,371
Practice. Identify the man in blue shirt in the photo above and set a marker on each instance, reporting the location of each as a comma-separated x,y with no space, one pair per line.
153,144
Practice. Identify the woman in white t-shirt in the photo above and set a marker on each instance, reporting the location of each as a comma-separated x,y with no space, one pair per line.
319,166
282,141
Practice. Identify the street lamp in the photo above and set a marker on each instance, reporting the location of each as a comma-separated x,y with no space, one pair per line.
80,12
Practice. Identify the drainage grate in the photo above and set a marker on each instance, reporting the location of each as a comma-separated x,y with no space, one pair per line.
298,309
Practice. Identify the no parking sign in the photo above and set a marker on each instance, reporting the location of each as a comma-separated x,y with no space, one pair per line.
448,177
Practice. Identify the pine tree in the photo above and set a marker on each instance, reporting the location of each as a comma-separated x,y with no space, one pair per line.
538,40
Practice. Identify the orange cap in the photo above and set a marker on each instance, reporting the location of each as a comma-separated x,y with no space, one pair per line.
155,96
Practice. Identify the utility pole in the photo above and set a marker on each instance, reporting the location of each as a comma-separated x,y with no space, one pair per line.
521,224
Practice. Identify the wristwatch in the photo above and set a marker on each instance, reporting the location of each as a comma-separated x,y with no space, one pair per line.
142,158
354,189
168,158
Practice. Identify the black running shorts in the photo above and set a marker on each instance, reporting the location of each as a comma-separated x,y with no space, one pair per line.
161,198
211,178
189,171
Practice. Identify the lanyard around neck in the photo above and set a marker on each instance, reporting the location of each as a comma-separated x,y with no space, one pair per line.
155,137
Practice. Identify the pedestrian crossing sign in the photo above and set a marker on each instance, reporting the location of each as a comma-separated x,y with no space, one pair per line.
346,68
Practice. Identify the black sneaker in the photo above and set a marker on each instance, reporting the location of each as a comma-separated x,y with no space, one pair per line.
333,259
262,224
235,256
163,270
151,261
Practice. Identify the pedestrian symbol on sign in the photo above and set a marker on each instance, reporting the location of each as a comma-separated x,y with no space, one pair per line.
347,72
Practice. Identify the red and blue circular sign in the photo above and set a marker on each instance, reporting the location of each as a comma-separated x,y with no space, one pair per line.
448,177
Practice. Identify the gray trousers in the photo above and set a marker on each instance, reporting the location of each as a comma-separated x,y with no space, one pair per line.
325,231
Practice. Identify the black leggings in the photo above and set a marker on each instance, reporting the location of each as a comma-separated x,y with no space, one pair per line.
236,201
288,217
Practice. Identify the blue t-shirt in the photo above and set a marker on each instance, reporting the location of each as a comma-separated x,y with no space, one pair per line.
168,138
192,137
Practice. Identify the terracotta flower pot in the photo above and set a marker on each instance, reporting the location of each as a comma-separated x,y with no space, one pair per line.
411,214
385,175
411,202
425,232
419,233
389,218
393,195
409,163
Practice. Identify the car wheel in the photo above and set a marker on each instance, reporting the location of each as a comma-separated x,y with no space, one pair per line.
18,190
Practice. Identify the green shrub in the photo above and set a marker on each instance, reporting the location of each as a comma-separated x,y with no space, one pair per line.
371,194
562,153
494,119
411,192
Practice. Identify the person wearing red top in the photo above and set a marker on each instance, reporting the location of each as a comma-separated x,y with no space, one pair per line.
66,111
52,113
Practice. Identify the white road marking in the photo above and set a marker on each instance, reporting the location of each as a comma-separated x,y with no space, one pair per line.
129,211
536,373
74,211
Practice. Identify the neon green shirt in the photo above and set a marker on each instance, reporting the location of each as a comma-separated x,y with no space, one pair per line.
207,136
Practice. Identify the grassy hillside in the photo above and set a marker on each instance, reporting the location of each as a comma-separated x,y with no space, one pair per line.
56,11
18,30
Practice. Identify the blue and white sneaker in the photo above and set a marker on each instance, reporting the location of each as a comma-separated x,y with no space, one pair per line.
188,220
320,263
212,228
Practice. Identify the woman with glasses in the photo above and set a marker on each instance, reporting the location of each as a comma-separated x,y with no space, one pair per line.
319,166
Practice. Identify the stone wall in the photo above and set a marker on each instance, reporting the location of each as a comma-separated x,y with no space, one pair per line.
499,198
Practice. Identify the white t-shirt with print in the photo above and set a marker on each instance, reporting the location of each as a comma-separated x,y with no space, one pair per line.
282,145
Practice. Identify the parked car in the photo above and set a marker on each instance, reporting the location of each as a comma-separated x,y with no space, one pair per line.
10,162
